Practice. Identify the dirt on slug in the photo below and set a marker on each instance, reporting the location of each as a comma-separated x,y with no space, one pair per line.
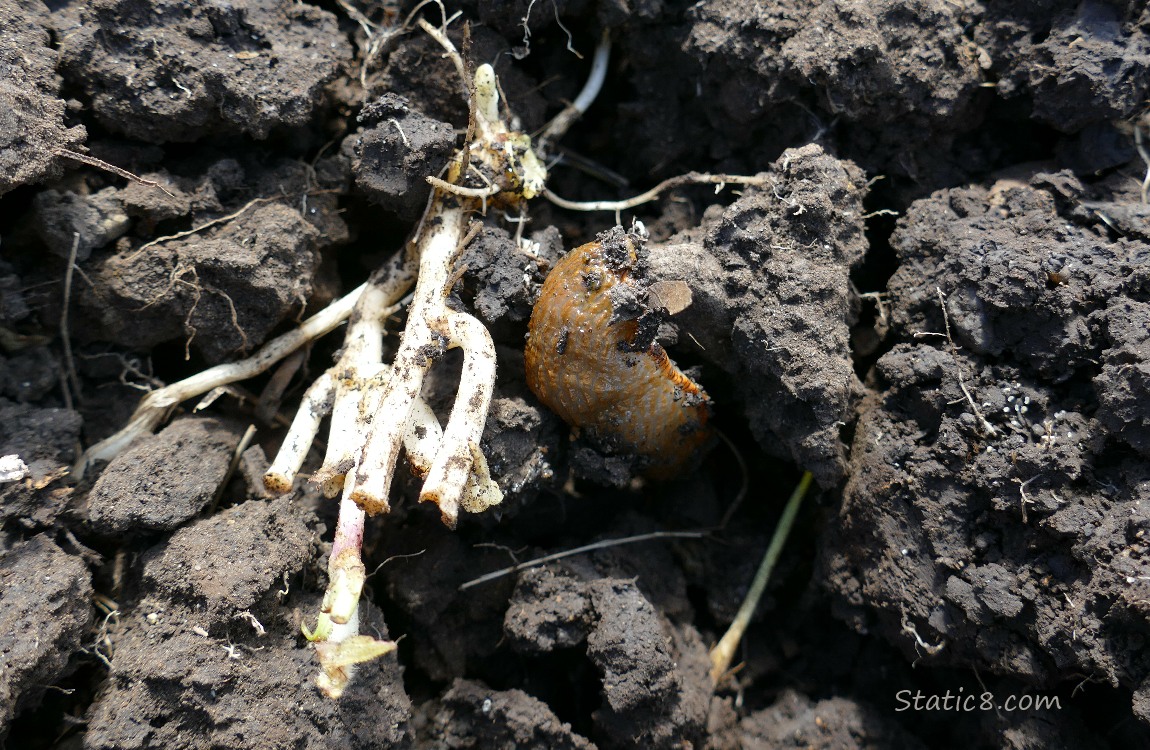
937,301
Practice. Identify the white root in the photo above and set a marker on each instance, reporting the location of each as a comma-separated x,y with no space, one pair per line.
380,408
450,51
315,405
563,121
155,406
359,373
370,478
346,419
421,445
691,178
455,463
338,643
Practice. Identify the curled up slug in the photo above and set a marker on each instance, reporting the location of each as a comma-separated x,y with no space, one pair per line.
592,358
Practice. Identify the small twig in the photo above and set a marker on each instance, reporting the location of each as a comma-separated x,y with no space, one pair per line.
356,15
1081,686
91,556
1023,499
977,676
987,426
513,554
394,557
65,336
406,25
880,212
92,161
200,228
603,544
567,31
909,628
589,166
271,397
463,156
526,31
691,178
155,405
245,345
399,129
879,299
724,650
251,620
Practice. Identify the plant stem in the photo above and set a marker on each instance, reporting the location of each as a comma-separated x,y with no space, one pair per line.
724,651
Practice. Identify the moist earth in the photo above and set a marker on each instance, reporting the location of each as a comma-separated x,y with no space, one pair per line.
935,297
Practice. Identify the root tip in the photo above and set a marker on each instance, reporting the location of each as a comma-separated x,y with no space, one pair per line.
370,503
277,484
448,511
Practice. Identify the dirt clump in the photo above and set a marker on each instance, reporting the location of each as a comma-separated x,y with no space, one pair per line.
45,439
224,288
162,481
210,652
522,441
33,123
174,71
1079,63
653,673
44,613
993,515
471,715
254,548
773,305
797,721
395,145
501,281
98,218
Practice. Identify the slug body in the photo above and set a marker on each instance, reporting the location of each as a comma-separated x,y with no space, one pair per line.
592,358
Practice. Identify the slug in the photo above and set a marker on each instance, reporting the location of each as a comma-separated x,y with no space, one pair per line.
592,358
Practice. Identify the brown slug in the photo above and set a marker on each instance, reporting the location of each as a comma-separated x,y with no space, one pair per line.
591,357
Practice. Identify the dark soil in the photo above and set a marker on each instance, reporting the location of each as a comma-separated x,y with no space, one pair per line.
939,304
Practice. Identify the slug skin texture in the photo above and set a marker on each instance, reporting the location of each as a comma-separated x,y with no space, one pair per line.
592,358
